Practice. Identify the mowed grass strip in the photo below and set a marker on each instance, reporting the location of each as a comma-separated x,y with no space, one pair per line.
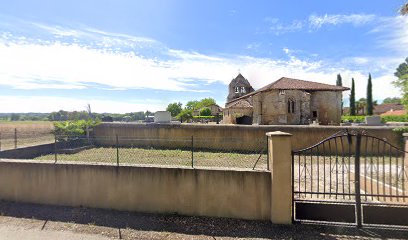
176,157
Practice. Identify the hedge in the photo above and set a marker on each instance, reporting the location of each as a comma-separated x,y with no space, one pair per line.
360,119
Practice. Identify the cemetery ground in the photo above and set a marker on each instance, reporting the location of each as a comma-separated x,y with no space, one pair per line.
173,157
34,221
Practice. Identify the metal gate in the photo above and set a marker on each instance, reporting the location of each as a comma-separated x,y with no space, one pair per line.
353,178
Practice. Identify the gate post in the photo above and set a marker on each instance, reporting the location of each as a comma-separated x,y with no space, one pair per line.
280,165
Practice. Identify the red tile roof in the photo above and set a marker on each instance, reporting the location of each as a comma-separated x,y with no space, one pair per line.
395,113
385,107
296,84
285,83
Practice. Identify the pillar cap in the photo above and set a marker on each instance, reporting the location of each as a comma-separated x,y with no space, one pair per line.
405,134
277,133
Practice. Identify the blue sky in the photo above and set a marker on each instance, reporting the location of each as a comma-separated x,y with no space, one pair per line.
124,56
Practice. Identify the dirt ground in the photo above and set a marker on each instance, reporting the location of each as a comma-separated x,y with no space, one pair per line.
33,221
29,133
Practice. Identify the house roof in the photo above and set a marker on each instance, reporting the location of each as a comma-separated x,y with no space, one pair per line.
285,83
382,108
395,113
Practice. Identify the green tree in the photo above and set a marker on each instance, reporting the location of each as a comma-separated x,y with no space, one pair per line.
185,115
174,108
339,82
370,106
15,117
361,106
205,112
402,81
395,100
352,99
205,102
192,105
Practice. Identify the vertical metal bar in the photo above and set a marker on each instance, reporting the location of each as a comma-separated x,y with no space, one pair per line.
15,138
342,166
117,150
267,153
192,151
349,143
305,171
337,168
396,172
357,180
390,173
318,170
311,172
371,168
330,169
383,173
378,170
299,173
293,187
324,171
365,167
403,177
55,148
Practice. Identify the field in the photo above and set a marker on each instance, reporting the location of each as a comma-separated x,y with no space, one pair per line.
176,157
29,133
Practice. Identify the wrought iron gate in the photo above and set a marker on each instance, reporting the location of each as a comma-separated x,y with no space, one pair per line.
350,177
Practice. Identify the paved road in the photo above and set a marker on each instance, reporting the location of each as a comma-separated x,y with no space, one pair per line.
32,221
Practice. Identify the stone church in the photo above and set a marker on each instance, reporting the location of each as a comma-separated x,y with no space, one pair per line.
285,101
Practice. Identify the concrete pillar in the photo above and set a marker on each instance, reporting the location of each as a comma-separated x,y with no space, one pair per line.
280,164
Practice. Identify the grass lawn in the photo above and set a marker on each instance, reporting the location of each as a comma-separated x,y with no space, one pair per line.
163,157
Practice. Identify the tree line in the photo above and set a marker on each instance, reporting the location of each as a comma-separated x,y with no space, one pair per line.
184,113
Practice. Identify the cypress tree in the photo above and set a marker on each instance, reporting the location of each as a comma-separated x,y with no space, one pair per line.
339,83
369,96
352,99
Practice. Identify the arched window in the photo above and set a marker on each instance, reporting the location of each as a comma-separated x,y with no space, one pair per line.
291,106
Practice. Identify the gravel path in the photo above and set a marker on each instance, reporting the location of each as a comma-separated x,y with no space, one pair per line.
31,221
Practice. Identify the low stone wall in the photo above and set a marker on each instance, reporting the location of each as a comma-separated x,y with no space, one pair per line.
226,137
199,192
28,152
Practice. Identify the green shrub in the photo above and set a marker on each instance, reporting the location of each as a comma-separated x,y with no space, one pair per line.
65,130
384,119
185,115
203,117
403,118
205,112
354,119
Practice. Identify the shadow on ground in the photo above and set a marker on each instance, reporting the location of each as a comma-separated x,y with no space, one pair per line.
215,227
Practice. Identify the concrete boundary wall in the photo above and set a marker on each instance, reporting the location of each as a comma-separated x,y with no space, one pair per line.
28,152
200,192
219,136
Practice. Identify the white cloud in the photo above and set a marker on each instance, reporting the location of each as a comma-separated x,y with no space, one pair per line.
56,64
393,34
279,28
317,22
49,104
